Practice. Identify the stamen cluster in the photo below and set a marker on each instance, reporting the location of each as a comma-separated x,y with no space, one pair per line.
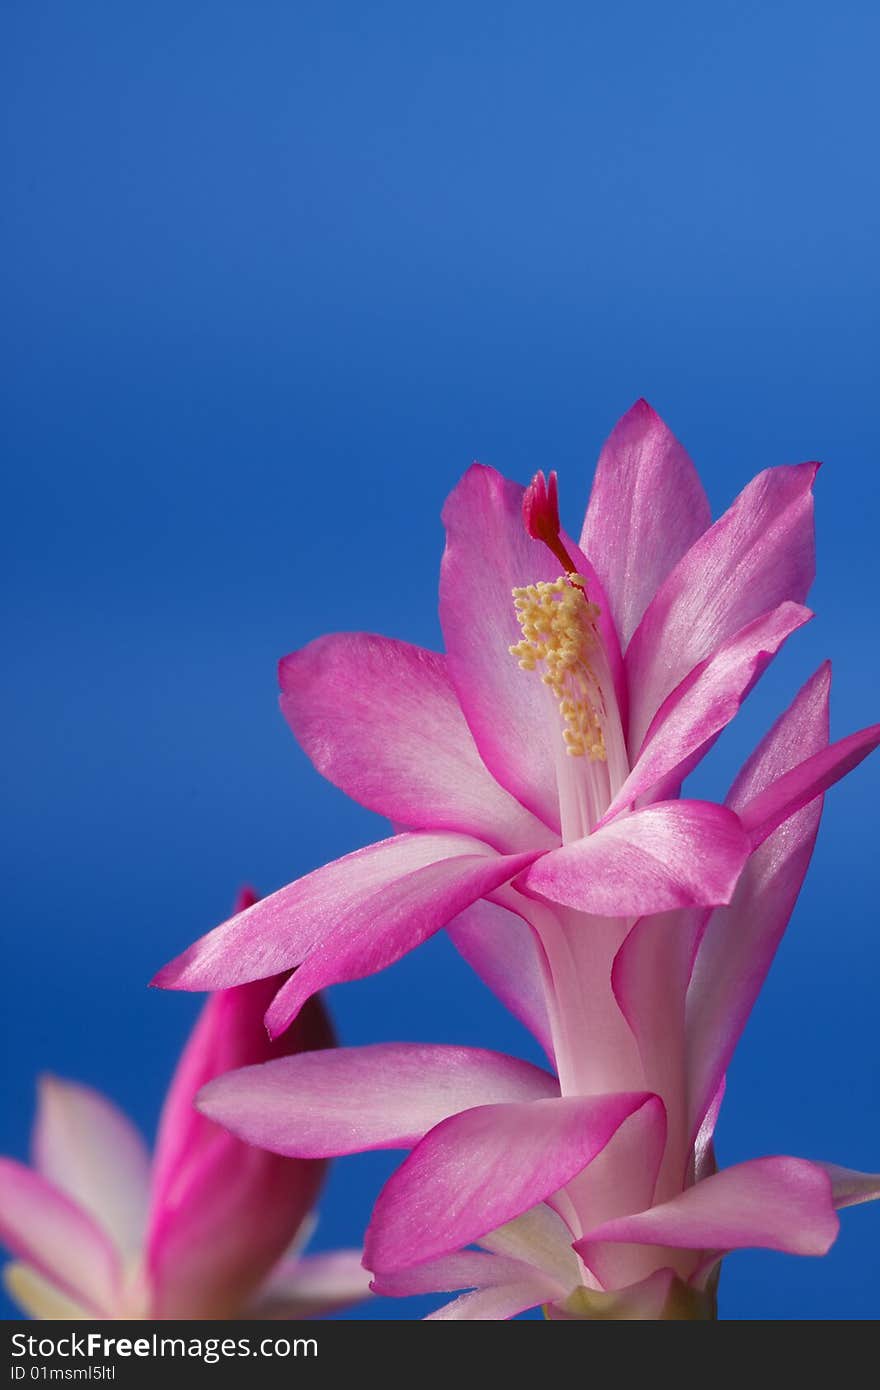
558,627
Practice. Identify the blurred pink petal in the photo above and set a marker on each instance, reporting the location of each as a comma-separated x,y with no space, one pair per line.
222,1213
39,1297
55,1236
87,1148
313,1286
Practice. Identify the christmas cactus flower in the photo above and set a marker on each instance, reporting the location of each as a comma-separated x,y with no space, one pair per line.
547,748
208,1228
537,770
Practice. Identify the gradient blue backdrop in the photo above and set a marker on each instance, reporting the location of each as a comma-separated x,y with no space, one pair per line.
274,274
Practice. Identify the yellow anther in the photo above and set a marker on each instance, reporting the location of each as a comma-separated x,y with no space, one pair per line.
558,630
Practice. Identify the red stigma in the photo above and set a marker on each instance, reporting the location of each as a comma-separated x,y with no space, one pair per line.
540,509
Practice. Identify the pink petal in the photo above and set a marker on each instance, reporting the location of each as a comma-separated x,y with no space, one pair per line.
51,1233
313,1286
741,940
383,1096
672,854
850,1187
647,507
622,1177
801,729
380,884
87,1148
705,1163
495,1304
802,784
650,978
232,1218
690,719
228,1034
757,555
478,1170
380,928
776,1203
223,1213
594,1049
504,951
381,720
488,554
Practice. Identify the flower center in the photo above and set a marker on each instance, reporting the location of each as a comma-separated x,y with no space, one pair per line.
560,639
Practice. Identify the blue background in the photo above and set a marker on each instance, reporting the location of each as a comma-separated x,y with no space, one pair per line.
274,274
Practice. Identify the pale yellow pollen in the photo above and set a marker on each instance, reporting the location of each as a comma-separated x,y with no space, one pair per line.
559,635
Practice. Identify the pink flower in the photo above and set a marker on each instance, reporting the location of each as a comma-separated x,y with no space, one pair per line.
677,620
629,928
204,1229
